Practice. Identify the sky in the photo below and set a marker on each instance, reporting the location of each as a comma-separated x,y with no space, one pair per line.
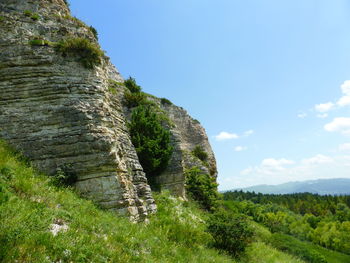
269,80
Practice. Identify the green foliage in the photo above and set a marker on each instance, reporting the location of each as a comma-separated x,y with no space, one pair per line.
39,41
134,96
231,232
94,32
135,99
151,140
165,101
2,19
200,153
295,247
202,188
65,176
331,231
89,53
33,16
29,205
132,86
66,2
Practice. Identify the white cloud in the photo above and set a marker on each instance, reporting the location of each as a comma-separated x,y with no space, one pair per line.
226,136
276,162
302,115
322,116
344,147
248,133
344,101
240,148
340,124
276,171
318,159
324,107
345,87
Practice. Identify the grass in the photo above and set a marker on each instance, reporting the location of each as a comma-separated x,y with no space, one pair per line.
88,53
33,16
259,252
307,250
30,203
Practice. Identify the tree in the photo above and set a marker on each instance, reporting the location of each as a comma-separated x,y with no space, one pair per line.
151,140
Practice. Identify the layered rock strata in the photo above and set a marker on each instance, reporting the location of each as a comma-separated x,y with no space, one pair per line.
60,114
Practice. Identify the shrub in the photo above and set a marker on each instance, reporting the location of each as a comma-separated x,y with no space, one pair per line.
151,140
231,232
33,16
38,41
89,53
94,32
66,2
65,176
202,188
132,100
200,153
132,86
165,101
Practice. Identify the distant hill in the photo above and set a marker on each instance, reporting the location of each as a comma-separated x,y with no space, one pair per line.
322,186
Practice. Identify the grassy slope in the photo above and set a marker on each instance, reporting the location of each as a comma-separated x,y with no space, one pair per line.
29,204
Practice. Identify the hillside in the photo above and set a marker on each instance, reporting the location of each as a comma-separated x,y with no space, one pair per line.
339,186
31,208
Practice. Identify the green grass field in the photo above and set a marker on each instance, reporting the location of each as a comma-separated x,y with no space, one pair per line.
29,204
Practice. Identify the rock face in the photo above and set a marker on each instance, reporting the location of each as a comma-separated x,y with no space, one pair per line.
186,134
60,114
64,117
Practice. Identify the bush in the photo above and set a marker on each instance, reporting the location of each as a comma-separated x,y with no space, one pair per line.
151,140
202,188
89,53
132,86
231,232
94,32
39,41
65,176
200,153
132,100
165,101
33,16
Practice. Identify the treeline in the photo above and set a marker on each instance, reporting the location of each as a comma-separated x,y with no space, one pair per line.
300,203
329,227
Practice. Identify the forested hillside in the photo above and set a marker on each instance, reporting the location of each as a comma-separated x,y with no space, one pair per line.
321,220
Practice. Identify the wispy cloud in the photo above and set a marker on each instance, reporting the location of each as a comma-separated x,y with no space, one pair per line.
248,133
345,99
345,147
222,136
302,115
324,107
275,171
240,148
322,116
340,124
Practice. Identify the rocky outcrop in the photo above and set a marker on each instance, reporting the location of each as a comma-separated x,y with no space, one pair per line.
59,114
63,115
186,134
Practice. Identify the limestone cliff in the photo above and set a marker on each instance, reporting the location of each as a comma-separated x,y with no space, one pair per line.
59,113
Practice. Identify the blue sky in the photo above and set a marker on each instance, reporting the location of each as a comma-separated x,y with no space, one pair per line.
266,78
